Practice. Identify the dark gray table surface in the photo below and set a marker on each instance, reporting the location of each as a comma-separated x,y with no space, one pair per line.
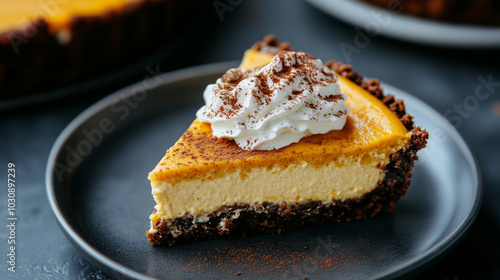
443,78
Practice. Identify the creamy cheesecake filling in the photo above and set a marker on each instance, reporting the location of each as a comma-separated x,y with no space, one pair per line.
345,178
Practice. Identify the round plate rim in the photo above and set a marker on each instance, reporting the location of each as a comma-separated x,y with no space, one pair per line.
443,245
93,255
429,32
117,269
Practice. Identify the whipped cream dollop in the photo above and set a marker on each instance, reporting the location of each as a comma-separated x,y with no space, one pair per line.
273,106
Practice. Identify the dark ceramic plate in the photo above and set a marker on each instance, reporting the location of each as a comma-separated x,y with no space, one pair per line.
97,187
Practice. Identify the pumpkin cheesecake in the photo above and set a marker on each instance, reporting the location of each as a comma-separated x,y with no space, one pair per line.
46,45
284,141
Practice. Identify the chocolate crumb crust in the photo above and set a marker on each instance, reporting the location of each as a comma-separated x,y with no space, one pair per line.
237,220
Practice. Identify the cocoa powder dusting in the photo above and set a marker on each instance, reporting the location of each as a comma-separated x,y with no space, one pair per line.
233,77
495,107
333,98
260,87
259,259
228,92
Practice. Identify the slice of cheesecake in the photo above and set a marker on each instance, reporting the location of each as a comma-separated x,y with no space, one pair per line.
207,187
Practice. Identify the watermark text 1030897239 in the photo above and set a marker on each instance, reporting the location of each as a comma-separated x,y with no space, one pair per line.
11,218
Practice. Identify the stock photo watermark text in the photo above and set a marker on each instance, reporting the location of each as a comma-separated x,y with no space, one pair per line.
11,218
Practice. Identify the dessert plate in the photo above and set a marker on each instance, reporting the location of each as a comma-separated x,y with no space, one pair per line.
97,187
408,28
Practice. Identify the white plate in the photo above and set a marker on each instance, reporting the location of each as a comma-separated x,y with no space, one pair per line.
399,26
